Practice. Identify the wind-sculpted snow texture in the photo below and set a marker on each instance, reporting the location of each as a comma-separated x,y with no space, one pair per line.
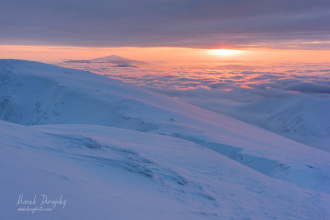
136,154
111,173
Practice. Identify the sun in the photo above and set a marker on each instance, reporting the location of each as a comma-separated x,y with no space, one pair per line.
225,52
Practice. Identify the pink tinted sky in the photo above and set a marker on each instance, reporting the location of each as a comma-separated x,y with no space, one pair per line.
177,31
172,55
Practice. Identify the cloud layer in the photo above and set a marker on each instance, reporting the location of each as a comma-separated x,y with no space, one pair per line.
217,88
184,23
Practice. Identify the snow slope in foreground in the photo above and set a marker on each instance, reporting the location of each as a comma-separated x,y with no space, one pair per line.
32,93
111,173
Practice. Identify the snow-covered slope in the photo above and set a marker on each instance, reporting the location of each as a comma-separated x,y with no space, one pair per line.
32,93
35,93
304,119
110,173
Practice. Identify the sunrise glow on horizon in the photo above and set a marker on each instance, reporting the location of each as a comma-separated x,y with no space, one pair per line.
166,31
226,52
168,55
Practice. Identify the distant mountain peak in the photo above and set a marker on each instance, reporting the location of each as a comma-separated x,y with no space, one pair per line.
112,59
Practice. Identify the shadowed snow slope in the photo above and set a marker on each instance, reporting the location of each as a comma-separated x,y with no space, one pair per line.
33,93
304,119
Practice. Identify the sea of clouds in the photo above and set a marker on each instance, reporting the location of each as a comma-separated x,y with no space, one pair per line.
218,87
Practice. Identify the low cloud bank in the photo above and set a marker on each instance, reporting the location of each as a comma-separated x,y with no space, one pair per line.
219,87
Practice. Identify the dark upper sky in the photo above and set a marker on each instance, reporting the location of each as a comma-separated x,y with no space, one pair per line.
183,23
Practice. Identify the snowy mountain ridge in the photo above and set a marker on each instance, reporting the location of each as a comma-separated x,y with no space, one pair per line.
82,116
304,116
304,119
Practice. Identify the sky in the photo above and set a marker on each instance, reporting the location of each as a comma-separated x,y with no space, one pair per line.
47,29
229,50
300,24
